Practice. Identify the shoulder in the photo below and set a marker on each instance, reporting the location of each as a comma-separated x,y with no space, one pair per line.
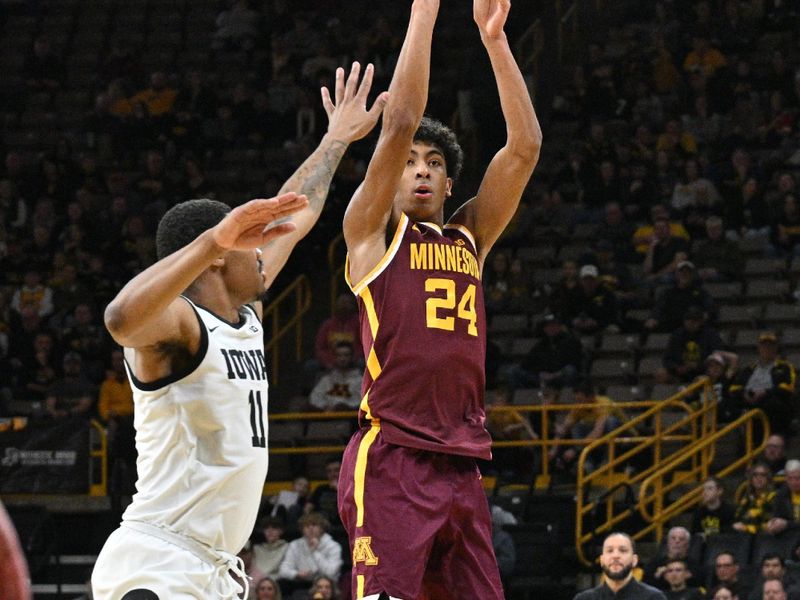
588,594
648,591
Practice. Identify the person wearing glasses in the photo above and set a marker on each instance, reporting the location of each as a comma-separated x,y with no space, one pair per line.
726,573
754,509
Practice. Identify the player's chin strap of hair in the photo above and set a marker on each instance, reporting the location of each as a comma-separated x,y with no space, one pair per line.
227,587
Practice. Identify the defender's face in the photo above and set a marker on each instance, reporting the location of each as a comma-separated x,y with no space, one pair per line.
244,271
425,185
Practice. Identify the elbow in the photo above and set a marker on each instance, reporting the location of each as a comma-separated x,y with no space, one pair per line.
527,146
400,121
116,322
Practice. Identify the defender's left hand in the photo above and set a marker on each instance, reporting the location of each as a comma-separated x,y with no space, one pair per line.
348,118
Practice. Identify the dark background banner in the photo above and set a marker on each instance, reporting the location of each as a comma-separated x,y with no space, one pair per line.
46,458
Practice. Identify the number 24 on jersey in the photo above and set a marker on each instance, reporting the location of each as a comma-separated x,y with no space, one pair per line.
441,312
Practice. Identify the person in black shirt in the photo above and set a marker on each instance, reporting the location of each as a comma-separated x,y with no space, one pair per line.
714,515
677,574
618,561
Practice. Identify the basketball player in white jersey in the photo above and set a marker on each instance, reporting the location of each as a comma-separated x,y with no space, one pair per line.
191,328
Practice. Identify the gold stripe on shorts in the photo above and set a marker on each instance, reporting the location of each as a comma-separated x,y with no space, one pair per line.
361,470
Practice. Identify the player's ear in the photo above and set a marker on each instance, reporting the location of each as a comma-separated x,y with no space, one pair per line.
635,560
448,190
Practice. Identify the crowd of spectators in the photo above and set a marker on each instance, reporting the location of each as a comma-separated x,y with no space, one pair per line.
671,158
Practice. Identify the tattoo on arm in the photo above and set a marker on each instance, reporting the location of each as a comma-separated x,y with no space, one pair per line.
315,175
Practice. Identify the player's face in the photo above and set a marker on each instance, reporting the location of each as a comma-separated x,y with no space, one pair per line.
425,184
617,559
244,271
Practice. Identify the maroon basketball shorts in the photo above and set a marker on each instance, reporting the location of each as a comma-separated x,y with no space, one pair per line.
418,522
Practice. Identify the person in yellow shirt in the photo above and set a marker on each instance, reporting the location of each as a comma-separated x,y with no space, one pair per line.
115,407
159,98
703,56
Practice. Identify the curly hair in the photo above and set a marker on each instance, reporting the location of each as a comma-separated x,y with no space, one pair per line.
182,223
437,133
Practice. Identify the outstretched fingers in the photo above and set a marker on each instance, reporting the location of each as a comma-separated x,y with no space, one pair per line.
351,87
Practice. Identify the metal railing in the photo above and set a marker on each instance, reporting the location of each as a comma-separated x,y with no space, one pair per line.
297,295
98,453
335,267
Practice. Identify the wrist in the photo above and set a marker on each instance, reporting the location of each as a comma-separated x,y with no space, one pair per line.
334,138
494,40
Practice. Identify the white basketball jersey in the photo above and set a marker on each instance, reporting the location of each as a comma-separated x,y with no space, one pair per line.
201,437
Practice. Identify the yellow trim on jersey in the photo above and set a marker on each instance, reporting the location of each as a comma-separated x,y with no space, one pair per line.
359,587
373,364
361,470
438,228
467,233
364,406
385,259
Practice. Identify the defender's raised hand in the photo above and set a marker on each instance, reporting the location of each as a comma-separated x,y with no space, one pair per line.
490,16
348,117
249,226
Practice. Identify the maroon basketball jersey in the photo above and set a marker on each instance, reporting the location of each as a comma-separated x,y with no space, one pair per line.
423,329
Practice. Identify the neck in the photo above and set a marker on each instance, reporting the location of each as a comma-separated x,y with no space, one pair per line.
616,585
679,588
714,504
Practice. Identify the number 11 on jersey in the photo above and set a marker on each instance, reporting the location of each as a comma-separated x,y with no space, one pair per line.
257,420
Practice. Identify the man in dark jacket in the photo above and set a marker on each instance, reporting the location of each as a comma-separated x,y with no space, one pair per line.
786,506
688,347
768,384
618,561
554,361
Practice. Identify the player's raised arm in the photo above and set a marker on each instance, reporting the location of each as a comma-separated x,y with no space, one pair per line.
370,208
489,212
147,311
348,120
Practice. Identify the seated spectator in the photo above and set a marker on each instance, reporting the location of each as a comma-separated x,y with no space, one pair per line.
716,257
115,407
775,453
673,301
774,589
508,424
786,506
694,194
519,287
88,338
677,574
290,505
664,253
324,498
315,553
496,284
251,571
773,567
555,360
678,547
43,67
585,424
688,348
615,275
268,555
504,550
159,98
72,394
566,295
714,515
785,228
644,235
754,509
727,573
340,387
597,309
33,293
324,588
703,56
342,326
617,230
769,384
267,589
721,369
38,375
722,592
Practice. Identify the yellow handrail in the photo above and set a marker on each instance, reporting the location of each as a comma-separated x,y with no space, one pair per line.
99,488
300,289
700,423
335,267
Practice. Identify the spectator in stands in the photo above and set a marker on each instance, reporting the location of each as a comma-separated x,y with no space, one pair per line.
597,310
615,275
519,287
290,505
721,367
33,293
324,588
43,67
616,229
688,347
508,424
587,424
768,384
496,284
774,589
89,339
644,235
237,27
695,193
68,292
786,506
115,407
267,589
566,295
36,377
556,359
664,253
723,592
785,228
773,567
72,394
727,572
159,98
678,547
703,56
269,554
340,387
617,560
714,515
674,300
324,498
775,453
754,509
156,186
677,574
717,258
315,553
342,326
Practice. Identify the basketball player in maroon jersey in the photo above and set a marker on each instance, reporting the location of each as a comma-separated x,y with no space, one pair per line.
410,494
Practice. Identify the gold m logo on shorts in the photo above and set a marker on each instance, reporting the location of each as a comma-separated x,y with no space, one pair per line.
362,552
